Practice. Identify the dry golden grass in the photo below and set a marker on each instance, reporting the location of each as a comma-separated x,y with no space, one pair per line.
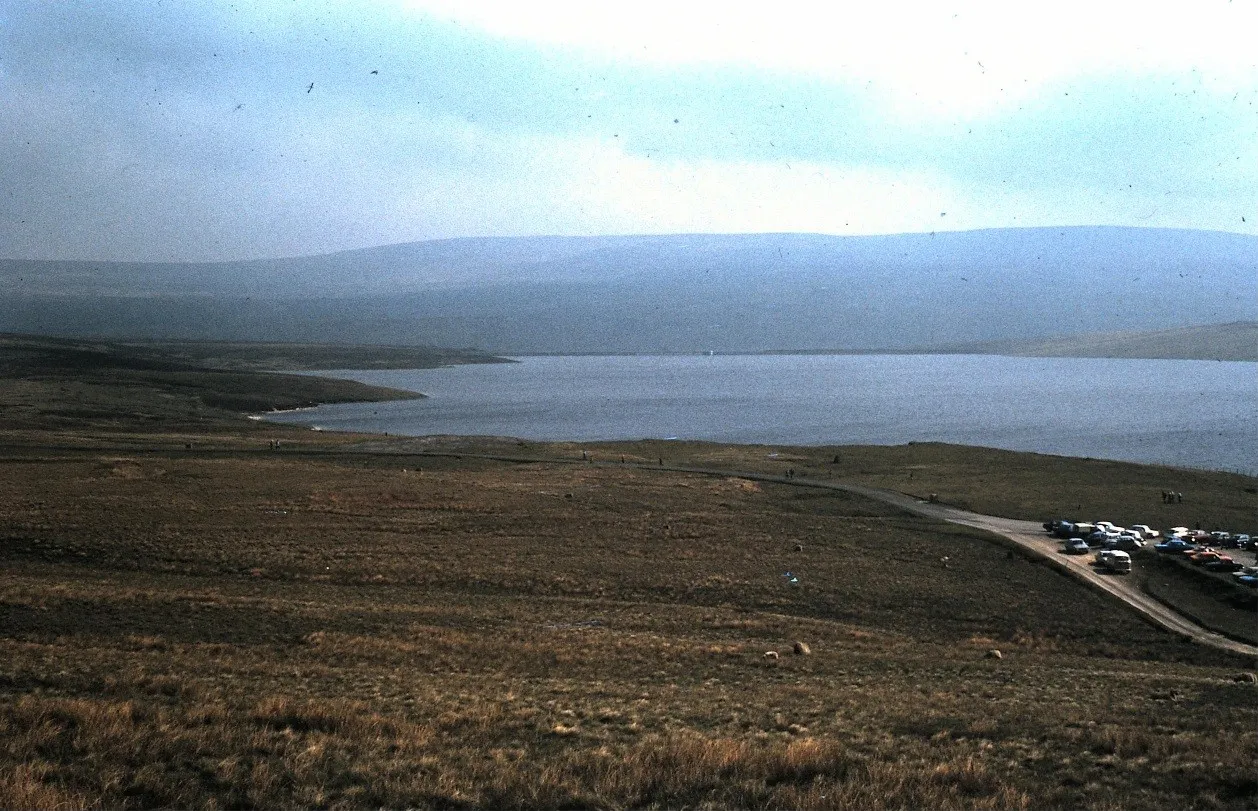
251,629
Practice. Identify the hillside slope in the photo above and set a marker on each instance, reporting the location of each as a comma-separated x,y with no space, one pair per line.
1235,341
685,293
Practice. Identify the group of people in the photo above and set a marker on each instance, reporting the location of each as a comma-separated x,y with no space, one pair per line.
1171,497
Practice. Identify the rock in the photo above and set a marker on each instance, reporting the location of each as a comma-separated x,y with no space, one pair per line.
1245,678
799,547
802,649
995,654
771,656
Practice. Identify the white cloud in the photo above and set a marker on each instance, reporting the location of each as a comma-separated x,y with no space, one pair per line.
927,56
599,186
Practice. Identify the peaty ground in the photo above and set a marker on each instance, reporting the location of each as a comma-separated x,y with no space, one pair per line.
192,618
256,628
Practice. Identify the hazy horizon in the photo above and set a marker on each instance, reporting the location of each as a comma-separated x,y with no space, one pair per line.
225,132
627,236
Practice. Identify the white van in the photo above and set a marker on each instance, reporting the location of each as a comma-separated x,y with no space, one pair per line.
1114,560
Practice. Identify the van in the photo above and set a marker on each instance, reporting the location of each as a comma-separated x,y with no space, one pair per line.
1113,560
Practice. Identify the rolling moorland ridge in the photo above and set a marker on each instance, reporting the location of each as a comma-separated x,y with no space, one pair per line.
681,293
1236,341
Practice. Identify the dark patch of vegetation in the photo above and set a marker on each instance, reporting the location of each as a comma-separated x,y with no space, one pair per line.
311,357
59,382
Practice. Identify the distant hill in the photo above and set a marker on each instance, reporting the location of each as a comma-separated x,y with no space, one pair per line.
684,293
1235,341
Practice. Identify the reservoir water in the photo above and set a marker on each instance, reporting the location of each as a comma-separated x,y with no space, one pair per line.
1186,413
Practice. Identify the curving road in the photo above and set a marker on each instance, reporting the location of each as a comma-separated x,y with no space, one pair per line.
1027,534
1031,536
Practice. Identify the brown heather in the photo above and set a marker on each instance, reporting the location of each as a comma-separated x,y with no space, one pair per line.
330,626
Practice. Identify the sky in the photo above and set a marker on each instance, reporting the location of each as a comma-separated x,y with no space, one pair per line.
172,130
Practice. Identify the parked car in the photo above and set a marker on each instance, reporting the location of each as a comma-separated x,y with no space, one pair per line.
1248,571
1177,532
1223,564
1130,543
1076,546
1113,560
1175,545
1208,556
1146,532
1248,580
1063,529
1243,541
1220,538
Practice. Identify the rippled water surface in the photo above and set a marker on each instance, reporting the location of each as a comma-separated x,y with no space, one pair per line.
1191,413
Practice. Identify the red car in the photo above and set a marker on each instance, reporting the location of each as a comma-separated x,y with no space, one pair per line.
1208,556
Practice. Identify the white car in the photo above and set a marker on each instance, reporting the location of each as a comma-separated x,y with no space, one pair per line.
1146,533
1130,541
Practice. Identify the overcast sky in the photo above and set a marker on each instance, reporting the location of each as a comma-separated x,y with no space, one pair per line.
180,130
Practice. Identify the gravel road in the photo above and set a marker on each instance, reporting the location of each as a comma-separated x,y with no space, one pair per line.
1031,535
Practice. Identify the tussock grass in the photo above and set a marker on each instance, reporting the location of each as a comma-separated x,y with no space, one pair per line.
261,631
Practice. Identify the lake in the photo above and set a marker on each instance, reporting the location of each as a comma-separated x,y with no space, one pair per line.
1187,413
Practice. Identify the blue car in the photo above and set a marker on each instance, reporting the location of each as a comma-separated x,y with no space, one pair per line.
1175,545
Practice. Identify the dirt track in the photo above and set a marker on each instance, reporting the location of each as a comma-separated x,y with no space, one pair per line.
1026,534
1031,536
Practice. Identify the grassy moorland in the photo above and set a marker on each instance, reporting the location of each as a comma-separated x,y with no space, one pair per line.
325,625
1237,341
278,357
74,386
